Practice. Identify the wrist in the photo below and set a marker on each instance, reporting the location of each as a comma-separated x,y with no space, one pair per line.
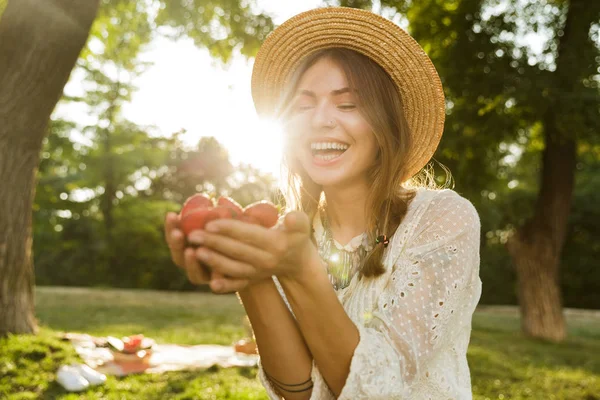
307,272
256,287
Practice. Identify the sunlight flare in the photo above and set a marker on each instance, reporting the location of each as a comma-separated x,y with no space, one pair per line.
262,146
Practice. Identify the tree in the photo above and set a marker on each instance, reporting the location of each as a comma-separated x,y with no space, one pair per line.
119,147
501,97
189,171
537,245
220,26
39,44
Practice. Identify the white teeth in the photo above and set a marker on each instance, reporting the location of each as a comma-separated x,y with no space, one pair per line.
327,157
328,145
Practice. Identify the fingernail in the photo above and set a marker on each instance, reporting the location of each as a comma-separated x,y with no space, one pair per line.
211,227
217,285
196,237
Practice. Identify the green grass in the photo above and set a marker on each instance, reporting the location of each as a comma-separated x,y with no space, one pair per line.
504,364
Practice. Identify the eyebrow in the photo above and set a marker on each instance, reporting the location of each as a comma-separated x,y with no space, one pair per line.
336,92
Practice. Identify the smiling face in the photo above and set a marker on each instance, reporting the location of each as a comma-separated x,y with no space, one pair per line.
329,135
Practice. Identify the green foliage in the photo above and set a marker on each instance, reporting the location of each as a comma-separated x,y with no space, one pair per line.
71,247
104,188
121,29
204,169
220,26
142,260
580,275
504,364
3,4
249,185
499,95
497,90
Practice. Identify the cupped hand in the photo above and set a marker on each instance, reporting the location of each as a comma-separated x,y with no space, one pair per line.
185,257
251,252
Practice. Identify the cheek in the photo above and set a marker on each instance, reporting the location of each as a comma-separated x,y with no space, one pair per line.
356,124
363,133
368,144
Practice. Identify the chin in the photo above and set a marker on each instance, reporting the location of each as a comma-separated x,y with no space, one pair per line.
329,178
333,176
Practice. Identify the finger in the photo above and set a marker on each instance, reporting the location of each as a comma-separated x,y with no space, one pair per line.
176,245
225,265
221,286
195,272
171,222
215,275
233,248
252,234
297,221
174,238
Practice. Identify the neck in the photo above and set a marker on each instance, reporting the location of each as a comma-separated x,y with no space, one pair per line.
346,211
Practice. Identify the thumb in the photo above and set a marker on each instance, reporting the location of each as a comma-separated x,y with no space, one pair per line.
297,221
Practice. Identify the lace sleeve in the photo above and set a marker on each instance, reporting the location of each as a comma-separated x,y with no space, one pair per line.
429,300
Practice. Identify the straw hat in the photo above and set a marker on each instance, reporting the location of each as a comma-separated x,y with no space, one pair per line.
372,35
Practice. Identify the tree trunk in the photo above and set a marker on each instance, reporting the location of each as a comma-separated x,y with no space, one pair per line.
110,186
537,246
39,45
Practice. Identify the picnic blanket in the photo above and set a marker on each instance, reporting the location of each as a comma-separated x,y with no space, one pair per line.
164,357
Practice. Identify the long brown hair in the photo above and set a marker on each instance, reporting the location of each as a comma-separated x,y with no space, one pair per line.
381,106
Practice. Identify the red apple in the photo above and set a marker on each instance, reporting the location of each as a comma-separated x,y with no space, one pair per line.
264,212
198,200
196,219
232,204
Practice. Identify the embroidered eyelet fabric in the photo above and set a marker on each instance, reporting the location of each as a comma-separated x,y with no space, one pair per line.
415,319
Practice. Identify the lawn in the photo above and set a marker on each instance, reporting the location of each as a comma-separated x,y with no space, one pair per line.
504,364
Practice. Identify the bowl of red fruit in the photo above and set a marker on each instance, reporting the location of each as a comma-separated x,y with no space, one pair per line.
134,348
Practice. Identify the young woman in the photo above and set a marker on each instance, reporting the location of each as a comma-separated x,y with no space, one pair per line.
367,286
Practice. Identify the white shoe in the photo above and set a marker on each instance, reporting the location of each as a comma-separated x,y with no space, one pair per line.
92,376
70,378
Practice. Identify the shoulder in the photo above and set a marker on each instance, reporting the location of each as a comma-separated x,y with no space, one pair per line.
446,206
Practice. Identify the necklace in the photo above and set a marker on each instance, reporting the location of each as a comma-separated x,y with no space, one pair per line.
342,265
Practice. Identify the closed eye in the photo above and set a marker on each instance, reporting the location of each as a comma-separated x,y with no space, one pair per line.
303,107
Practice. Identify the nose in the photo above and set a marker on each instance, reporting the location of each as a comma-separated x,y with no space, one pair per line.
323,116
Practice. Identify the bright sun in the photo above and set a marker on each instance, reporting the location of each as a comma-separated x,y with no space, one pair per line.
261,145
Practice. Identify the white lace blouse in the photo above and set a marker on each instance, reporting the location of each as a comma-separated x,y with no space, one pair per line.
415,319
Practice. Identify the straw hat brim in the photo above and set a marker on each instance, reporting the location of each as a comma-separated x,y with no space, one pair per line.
374,36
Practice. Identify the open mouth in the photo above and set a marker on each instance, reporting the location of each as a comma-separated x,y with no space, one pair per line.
327,151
